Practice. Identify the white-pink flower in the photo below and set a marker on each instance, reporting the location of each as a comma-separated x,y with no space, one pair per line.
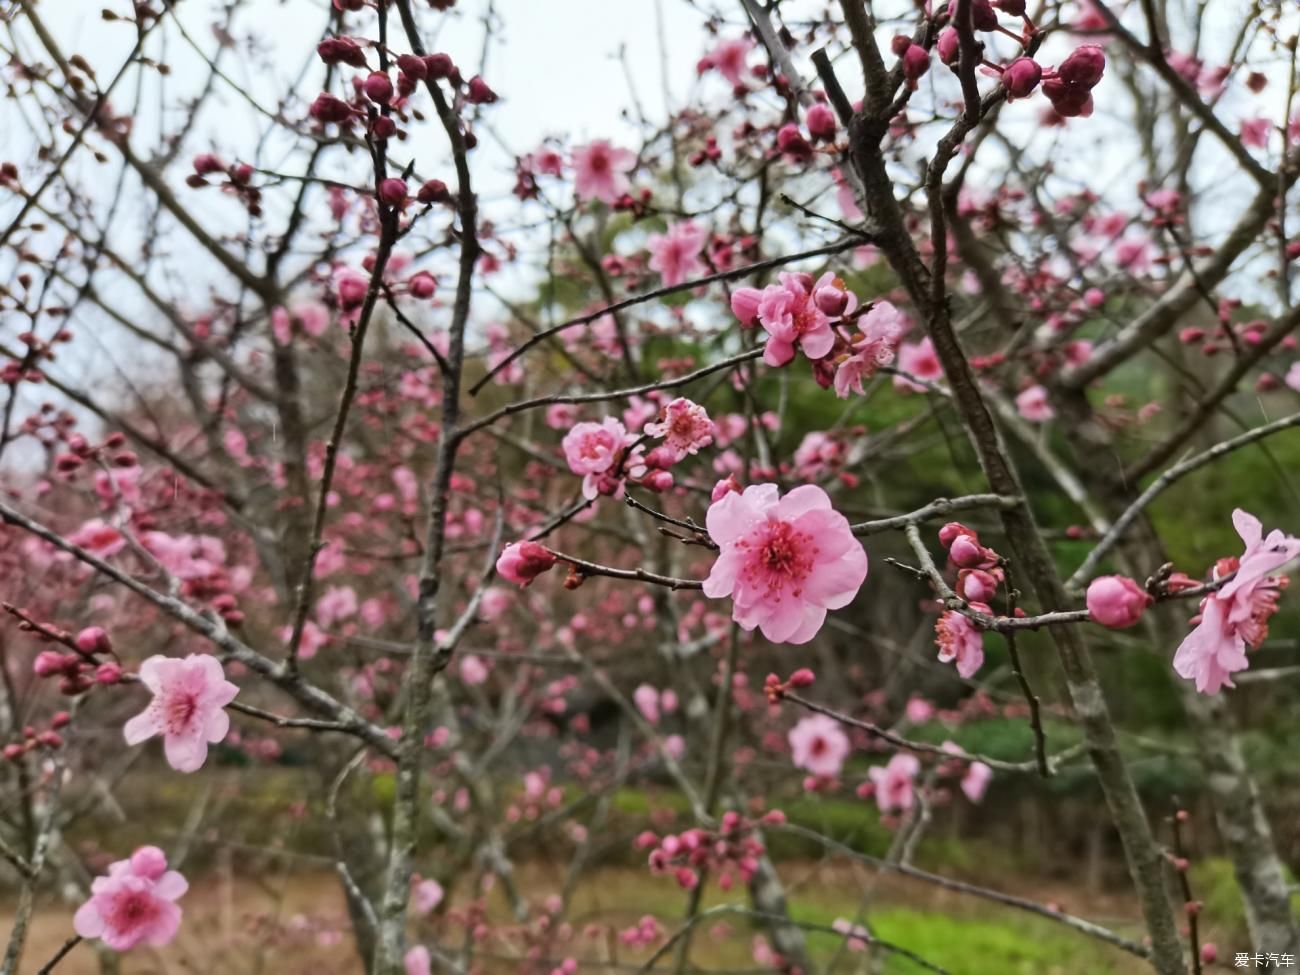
881,329
426,895
894,789
646,699
729,58
600,171
593,449
919,360
1236,616
1293,376
417,961
684,426
188,708
134,903
784,561
819,745
1033,405
676,254
959,640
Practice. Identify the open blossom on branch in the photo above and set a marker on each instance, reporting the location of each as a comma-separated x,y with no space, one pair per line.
959,640
797,312
684,426
600,171
784,561
188,708
134,903
919,361
894,782
880,330
1236,616
676,254
593,450
819,745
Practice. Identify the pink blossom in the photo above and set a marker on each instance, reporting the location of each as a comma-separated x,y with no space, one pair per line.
646,699
819,745
881,328
918,710
919,360
744,305
685,427
593,449
134,903
790,315
1032,404
417,961
1255,132
1116,601
894,788
426,895
99,538
1293,376
600,171
188,708
976,781
784,561
856,937
336,605
1236,616
473,670
676,254
959,640
729,59
522,562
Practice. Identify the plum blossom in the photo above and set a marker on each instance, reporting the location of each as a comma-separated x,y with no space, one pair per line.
729,59
600,171
426,895
1236,616
784,561
99,538
1116,601
798,311
960,641
188,708
894,782
1293,376
593,449
1032,404
819,745
856,937
417,961
134,903
685,427
919,360
522,562
881,328
976,781
676,254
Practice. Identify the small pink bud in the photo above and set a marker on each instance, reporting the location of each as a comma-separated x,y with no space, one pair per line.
821,122
803,677
725,487
479,93
433,191
916,62
49,662
949,46
1116,602
383,127
412,66
831,300
108,674
378,88
1209,952
976,585
1084,67
50,739
61,719
439,65
522,562
206,163
951,531
93,639
341,50
1021,77
1016,8
966,552
658,481
422,285
329,108
393,191
791,142
14,751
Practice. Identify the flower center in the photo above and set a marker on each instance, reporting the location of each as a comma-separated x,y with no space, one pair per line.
180,709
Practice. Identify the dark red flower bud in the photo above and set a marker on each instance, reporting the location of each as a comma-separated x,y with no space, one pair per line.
341,50
1021,77
1084,67
393,191
479,93
378,88
329,108
433,191
412,66
439,65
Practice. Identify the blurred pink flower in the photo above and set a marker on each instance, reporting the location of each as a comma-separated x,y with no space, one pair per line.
600,171
894,789
676,254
